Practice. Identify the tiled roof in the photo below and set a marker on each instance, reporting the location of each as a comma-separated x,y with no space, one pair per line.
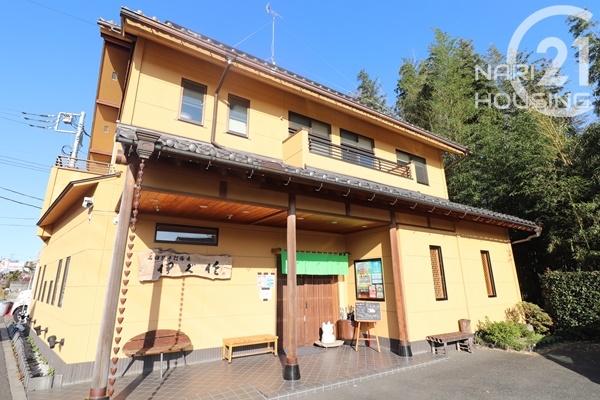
207,151
240,56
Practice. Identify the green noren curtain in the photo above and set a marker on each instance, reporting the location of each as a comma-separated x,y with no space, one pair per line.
317,263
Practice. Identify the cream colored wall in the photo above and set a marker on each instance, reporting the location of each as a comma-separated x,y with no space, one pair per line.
367,245
465,282
207,310
154,95
88,238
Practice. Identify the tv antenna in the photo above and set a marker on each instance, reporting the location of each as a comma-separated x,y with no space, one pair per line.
274,14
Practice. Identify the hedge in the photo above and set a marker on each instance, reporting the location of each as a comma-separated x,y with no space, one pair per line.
573,301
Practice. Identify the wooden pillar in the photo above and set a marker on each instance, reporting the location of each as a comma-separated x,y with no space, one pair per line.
404,348
291,370
98,388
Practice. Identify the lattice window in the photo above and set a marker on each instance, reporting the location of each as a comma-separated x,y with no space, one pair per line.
437,267
488,274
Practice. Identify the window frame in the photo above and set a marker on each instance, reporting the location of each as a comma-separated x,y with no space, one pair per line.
294,126
443,295
195,87
488,273
63,284
361,156
58,271
242,102
177,228
420,163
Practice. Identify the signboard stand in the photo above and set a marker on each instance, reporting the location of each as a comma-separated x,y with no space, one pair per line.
357,336
366,313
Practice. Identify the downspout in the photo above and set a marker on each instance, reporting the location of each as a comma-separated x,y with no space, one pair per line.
213,130
538,232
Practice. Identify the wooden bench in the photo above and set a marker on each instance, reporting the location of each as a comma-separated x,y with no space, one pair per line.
464,341
231,343
159,341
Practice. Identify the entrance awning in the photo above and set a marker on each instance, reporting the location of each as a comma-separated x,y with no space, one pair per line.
315,263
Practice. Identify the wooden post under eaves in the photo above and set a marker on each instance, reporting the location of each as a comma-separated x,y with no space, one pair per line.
291,372
404,349
98,388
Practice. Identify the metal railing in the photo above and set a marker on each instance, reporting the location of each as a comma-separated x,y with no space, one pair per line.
80,164
323,147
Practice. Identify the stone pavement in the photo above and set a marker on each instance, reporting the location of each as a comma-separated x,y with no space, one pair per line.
566,371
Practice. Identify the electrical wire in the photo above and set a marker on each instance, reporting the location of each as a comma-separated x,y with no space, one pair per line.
19,202
22,194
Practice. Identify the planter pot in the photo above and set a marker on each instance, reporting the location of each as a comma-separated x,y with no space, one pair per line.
40,383
345,330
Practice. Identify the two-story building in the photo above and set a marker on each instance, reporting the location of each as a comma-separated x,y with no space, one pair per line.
226,196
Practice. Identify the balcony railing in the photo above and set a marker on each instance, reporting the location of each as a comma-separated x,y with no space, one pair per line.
323,147
84,165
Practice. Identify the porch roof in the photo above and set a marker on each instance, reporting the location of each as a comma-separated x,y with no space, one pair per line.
375,194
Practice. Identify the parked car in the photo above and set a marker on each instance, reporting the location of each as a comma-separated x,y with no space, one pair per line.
21,306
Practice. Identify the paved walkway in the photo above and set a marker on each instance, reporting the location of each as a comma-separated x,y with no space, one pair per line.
255,377
564,372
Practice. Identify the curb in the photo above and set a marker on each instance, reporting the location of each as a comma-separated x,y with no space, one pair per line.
16,387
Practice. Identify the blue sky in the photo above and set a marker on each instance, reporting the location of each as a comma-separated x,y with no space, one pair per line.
51,52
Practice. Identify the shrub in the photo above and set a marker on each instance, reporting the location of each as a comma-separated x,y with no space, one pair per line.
573,300
507,334
532,314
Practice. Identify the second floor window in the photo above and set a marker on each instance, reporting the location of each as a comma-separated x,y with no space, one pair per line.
238,115
419,163
317,128
357,149
192,101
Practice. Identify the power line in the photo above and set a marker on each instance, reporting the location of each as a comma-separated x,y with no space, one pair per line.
18,202
16,218
22,194
63,13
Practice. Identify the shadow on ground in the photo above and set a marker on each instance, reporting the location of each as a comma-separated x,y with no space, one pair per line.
580,357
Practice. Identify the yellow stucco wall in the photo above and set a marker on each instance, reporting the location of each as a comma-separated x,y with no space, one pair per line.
154,96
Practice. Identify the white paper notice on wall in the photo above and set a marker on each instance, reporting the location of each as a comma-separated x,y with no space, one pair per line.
157,263
266,294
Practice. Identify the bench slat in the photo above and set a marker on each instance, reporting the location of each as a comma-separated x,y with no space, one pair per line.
231,343
157,342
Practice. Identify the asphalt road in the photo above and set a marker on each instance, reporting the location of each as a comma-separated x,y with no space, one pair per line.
567,371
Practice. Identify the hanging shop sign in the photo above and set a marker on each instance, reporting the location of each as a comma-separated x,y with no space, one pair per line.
157,263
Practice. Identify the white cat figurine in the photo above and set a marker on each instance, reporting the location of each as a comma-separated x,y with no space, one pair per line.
328,336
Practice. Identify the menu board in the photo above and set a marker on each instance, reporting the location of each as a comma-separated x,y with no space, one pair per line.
366,311
369,279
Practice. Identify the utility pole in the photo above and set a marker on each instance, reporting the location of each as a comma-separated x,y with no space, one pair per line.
75,121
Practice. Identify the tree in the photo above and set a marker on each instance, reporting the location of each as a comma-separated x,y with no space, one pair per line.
370,95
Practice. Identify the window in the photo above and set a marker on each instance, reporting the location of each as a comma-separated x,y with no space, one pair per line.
238,115
192,101
317,128
64,282
37,283
57,277
41,293
487,273
419,163
166,233
49,291
437,267
357,149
